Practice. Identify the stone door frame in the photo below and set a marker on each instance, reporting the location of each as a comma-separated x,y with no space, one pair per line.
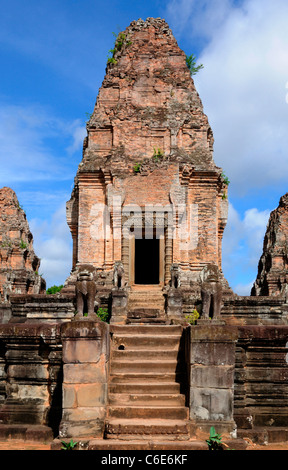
131,272
165,250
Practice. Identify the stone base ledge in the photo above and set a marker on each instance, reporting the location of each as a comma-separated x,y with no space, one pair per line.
35,433
147,445
264,436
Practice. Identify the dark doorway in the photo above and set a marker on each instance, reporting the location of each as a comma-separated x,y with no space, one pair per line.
146,261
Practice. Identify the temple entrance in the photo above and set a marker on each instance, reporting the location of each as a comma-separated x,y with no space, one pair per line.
147,265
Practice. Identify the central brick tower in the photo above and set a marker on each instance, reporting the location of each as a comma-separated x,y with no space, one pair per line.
147,193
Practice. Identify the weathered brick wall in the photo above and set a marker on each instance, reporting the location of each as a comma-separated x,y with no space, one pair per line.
272,277
261,377
238,376
31,374
91,228
18,263
85,378
55,375
211,365
148,142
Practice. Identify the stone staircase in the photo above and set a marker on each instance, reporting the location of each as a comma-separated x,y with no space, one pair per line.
145,399
147,394
146,305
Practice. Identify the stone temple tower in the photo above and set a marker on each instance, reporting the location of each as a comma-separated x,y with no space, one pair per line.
148,195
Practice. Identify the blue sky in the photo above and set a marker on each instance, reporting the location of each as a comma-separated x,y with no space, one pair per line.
52,61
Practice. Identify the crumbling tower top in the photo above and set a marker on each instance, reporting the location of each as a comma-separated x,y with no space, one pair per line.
149,145
18,262
147,101
272,277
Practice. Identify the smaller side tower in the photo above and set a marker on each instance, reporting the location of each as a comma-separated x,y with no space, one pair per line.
19,264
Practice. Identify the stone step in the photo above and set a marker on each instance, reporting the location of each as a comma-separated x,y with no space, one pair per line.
159,388
145,429
150,443
144,312
146,315
148,412
145,341
145,377
148,299
135,444
147,304
265,435
139,316
135,354
144,382
152,321
145,287
29,432
143,366
136,312
146,292
142,399
166,330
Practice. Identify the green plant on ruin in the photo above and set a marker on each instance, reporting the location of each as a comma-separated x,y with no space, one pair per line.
120,42
121,39
192,317
225,179
157,154
111,60
6,244
88,117
103,314
68,445
22,244
215,440
224,196
37,274
137,167
191,64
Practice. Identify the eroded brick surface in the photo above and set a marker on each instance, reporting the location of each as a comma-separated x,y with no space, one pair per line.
18,262
148,143
272,275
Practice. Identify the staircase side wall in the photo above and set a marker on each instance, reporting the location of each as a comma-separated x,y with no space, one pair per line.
261,377
238,376
211,376
57,375
85,377
30,374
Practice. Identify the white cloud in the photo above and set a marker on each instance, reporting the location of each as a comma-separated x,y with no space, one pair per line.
26,136
243,84
78,134
242,247
53,244
243,89
204,15
243,289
